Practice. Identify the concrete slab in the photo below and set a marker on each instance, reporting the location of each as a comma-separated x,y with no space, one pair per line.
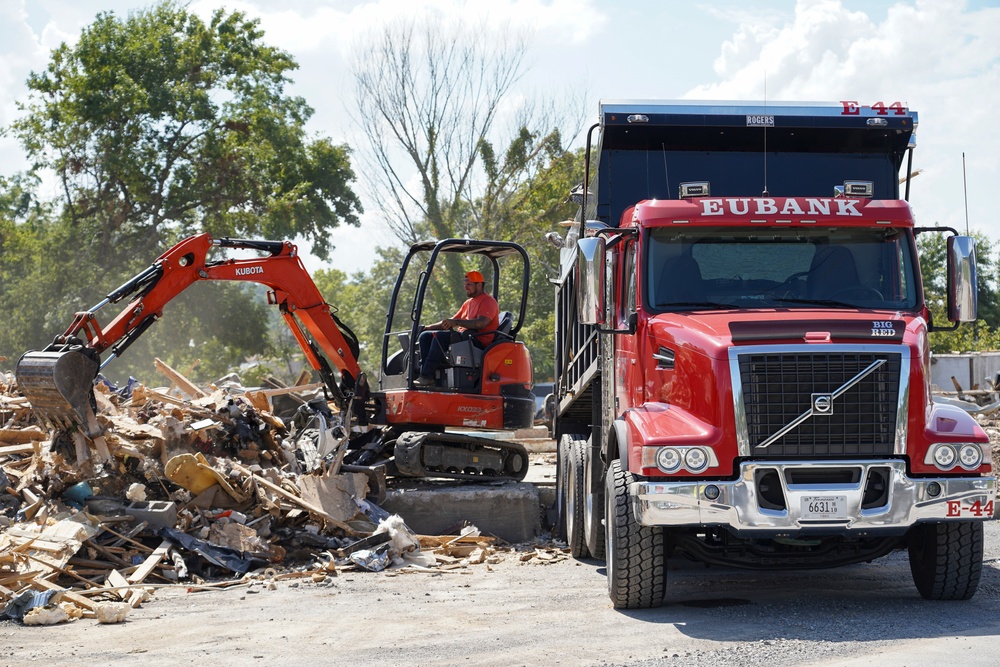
510,511
514,512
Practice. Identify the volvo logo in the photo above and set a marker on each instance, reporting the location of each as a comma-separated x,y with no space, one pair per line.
822,404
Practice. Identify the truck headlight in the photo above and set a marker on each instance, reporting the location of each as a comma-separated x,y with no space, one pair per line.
668,459
695,459
944,456
970,456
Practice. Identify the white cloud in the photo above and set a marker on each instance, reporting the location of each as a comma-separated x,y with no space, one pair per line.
941,57
301,27
935,56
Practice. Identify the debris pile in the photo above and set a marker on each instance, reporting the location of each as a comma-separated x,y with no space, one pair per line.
204,489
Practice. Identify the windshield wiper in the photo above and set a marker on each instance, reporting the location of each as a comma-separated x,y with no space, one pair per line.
818,302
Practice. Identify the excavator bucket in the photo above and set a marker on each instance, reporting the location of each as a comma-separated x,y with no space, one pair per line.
59,384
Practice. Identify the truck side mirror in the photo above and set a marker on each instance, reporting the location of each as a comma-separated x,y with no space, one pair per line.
589,279
962,286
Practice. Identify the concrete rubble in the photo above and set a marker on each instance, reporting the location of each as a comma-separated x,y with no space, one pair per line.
203,488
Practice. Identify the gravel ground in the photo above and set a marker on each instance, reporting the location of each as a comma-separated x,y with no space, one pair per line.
514,613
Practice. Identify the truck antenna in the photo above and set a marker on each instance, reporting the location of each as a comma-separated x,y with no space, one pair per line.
965,190
764,194
666,174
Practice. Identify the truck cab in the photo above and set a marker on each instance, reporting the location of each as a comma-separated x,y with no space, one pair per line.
742,352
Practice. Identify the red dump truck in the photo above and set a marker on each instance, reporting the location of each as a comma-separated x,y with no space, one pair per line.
742,356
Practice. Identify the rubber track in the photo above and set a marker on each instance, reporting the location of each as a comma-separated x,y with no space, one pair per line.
946,559
409,461
637,573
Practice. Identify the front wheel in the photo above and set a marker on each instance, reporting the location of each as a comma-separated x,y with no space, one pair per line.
635,554
946,559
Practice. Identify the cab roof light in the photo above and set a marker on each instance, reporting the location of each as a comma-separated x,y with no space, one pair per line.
693,189
859,189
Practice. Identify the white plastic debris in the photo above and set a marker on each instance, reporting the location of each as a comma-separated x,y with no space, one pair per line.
111,612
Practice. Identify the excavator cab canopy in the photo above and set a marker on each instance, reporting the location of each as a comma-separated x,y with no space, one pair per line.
429,289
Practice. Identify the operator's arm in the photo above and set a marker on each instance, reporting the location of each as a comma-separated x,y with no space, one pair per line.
476,323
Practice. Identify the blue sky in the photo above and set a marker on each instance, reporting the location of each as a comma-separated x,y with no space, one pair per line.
940,57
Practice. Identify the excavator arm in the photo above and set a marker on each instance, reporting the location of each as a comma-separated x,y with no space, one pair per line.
58,381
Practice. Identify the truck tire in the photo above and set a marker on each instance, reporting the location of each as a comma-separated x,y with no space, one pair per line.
562,474
593,511
636,565
575,496
946,559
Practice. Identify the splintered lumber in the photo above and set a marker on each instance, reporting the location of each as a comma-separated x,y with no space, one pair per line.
179,380
19,577
297,500
20,437
64,571
147,567
145,570
26,448
115,578
290,390
75,598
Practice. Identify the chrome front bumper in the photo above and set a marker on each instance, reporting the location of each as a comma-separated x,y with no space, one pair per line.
739,504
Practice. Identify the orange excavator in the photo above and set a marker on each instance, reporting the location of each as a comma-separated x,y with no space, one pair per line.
478,389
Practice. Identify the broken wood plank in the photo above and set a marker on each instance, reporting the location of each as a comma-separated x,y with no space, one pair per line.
8,450
75,598
82,451
18,438
181,382
150,563
60,570
127,537
145,570
295,499
19,577
115,578
290,390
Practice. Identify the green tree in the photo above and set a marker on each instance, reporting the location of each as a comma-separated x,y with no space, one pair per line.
160,124
984,333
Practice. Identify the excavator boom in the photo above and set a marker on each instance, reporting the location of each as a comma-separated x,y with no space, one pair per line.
58,381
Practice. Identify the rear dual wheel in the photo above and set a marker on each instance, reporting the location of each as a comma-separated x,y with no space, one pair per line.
574,493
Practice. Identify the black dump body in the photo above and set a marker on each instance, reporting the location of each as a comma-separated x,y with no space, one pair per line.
743,151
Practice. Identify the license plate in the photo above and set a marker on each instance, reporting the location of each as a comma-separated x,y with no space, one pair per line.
824,507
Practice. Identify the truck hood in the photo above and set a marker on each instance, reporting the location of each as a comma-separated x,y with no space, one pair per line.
712,333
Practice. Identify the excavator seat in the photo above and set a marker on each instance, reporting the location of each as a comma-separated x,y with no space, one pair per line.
465,359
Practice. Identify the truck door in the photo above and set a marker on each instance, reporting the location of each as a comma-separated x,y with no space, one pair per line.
628,376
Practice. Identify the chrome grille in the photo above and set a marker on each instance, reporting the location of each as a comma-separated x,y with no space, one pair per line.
778,388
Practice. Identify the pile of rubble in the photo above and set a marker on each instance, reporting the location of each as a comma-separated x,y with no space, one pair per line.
194,488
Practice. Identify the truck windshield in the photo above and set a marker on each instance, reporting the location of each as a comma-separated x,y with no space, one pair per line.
725,268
